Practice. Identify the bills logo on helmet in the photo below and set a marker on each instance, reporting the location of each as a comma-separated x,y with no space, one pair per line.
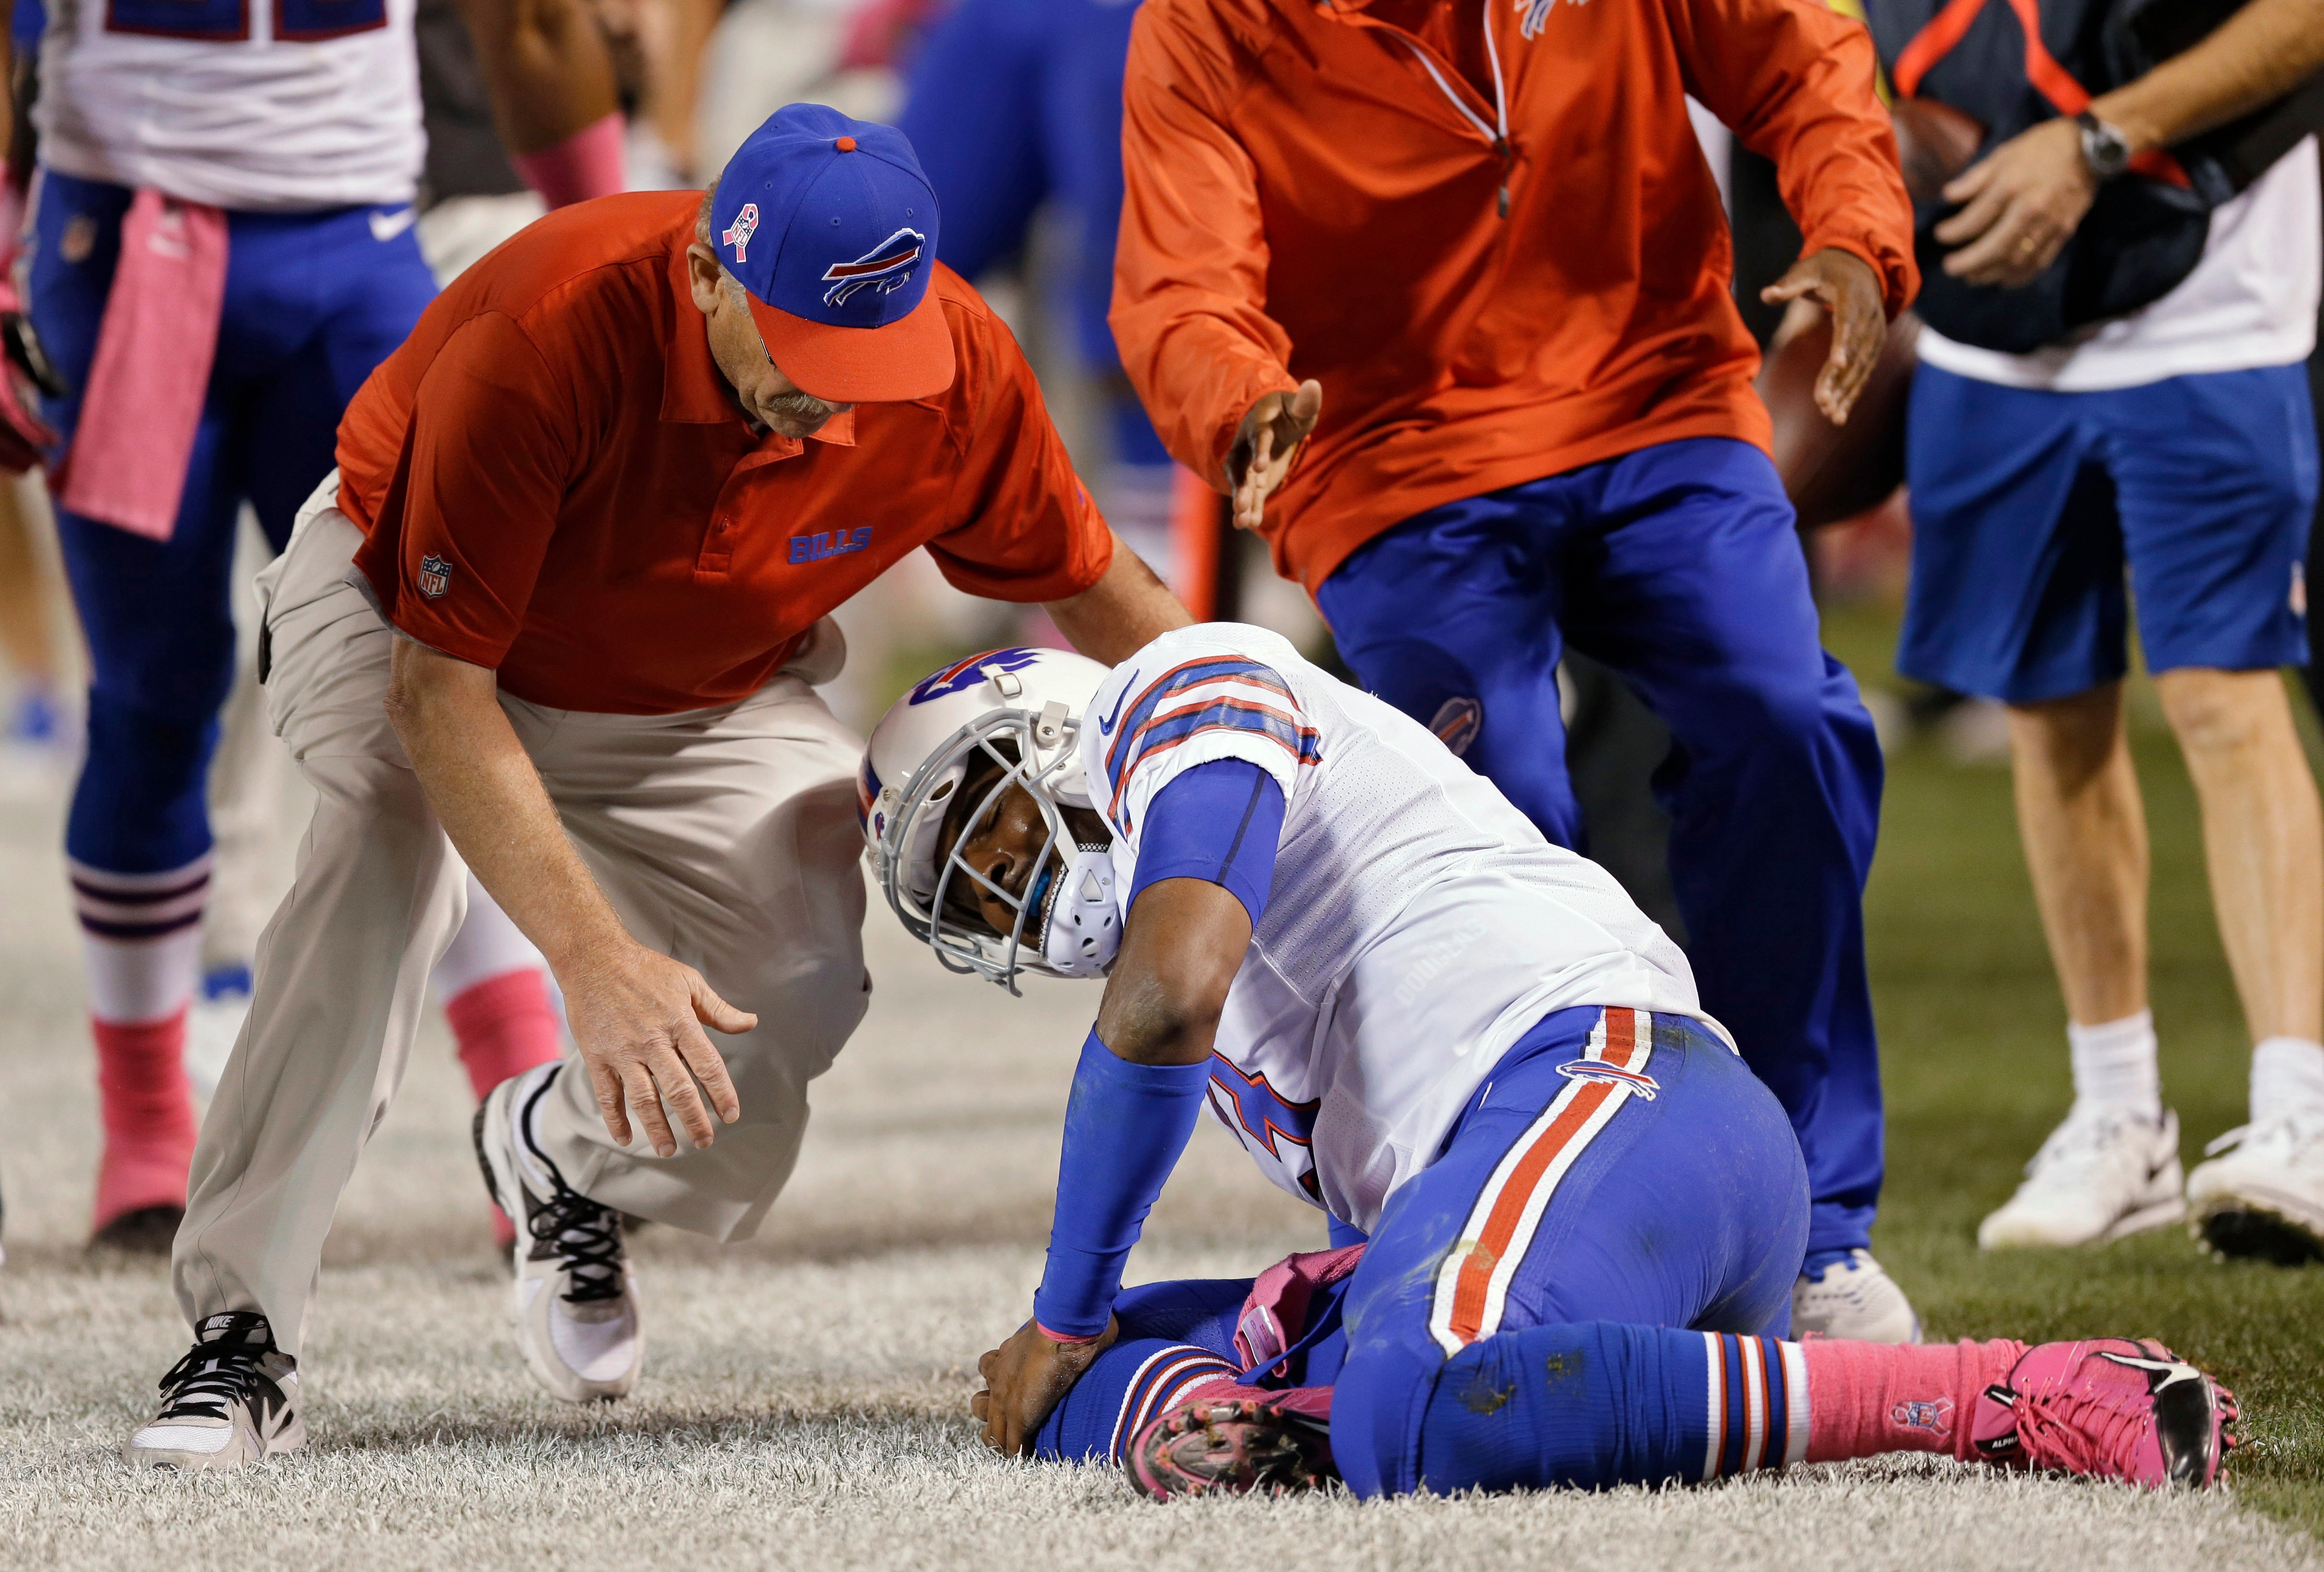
1457,723
435,576
887,267
738,236
962,676
1637,1081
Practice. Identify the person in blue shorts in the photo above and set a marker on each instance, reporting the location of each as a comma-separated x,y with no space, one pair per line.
2164,463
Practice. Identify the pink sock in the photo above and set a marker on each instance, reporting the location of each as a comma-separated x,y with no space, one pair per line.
585,164
149,1114
504,1026
1868,1398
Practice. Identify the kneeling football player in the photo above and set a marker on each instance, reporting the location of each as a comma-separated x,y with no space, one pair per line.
1583,1214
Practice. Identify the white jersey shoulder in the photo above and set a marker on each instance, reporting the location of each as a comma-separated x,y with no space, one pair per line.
248,104
1416,927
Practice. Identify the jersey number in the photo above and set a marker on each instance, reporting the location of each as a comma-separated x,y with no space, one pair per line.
228,20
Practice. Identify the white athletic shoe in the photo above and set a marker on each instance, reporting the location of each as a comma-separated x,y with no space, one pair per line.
574,1308
2264,1198
231,1401
2099,1177
1854,1300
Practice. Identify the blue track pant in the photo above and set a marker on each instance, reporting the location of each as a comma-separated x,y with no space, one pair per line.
1676,567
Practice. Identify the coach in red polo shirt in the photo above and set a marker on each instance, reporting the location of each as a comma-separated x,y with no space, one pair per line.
562,604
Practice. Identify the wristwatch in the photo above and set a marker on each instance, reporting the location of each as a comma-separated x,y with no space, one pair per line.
2104,147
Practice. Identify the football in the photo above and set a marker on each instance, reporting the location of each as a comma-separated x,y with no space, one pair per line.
1833,472
1934,143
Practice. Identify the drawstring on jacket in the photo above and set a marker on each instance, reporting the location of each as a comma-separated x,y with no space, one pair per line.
1499,132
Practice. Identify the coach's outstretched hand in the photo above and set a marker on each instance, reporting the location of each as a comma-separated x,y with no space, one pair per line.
1845,285
1024,1378
1263,448
637,1017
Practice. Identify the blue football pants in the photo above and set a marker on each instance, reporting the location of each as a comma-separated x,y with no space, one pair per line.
1547,1301
1676,567
313,301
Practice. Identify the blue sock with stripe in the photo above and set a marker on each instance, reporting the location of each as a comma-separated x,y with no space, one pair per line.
1598,1403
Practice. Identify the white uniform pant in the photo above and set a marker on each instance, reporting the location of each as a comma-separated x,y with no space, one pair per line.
724,838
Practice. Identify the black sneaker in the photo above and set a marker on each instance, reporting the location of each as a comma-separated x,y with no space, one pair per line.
573,1308
230,1400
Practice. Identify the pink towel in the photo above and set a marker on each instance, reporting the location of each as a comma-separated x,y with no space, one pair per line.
1275,1314
138,415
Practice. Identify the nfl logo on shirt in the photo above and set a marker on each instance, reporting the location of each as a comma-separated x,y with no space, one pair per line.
435,576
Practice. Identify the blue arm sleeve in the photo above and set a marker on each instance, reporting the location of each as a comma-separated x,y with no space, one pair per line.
1219,822
1125,1126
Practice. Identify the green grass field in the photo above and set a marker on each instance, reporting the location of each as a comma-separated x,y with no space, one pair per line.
1973,1051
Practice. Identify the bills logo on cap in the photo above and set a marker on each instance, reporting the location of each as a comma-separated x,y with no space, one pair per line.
435,576
887,267
738,236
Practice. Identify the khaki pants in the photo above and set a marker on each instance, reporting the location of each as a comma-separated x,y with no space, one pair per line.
725,838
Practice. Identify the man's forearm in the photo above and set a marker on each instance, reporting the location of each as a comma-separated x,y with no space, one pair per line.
1121,613
545,66
490,800
2256,56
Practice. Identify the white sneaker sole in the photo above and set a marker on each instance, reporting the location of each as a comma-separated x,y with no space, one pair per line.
242,1451
2161,1214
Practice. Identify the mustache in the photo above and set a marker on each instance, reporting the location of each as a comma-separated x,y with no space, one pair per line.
804,406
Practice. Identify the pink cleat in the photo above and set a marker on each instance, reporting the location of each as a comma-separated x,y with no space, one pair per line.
1271,1442
2109,1408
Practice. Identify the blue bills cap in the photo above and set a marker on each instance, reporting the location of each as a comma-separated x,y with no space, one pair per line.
831,227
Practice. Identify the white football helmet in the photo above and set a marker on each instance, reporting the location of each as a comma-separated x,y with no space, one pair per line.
1022,709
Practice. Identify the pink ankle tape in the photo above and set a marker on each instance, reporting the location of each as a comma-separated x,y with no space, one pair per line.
585,164
149,1114
504,1026
1868,1398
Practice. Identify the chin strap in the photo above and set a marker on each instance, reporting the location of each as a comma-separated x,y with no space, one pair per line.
1080,921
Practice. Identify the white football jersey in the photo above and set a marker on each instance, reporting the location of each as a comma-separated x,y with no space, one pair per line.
250,105
1417,925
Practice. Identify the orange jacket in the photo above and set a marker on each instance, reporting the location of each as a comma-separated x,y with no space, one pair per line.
1314,190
